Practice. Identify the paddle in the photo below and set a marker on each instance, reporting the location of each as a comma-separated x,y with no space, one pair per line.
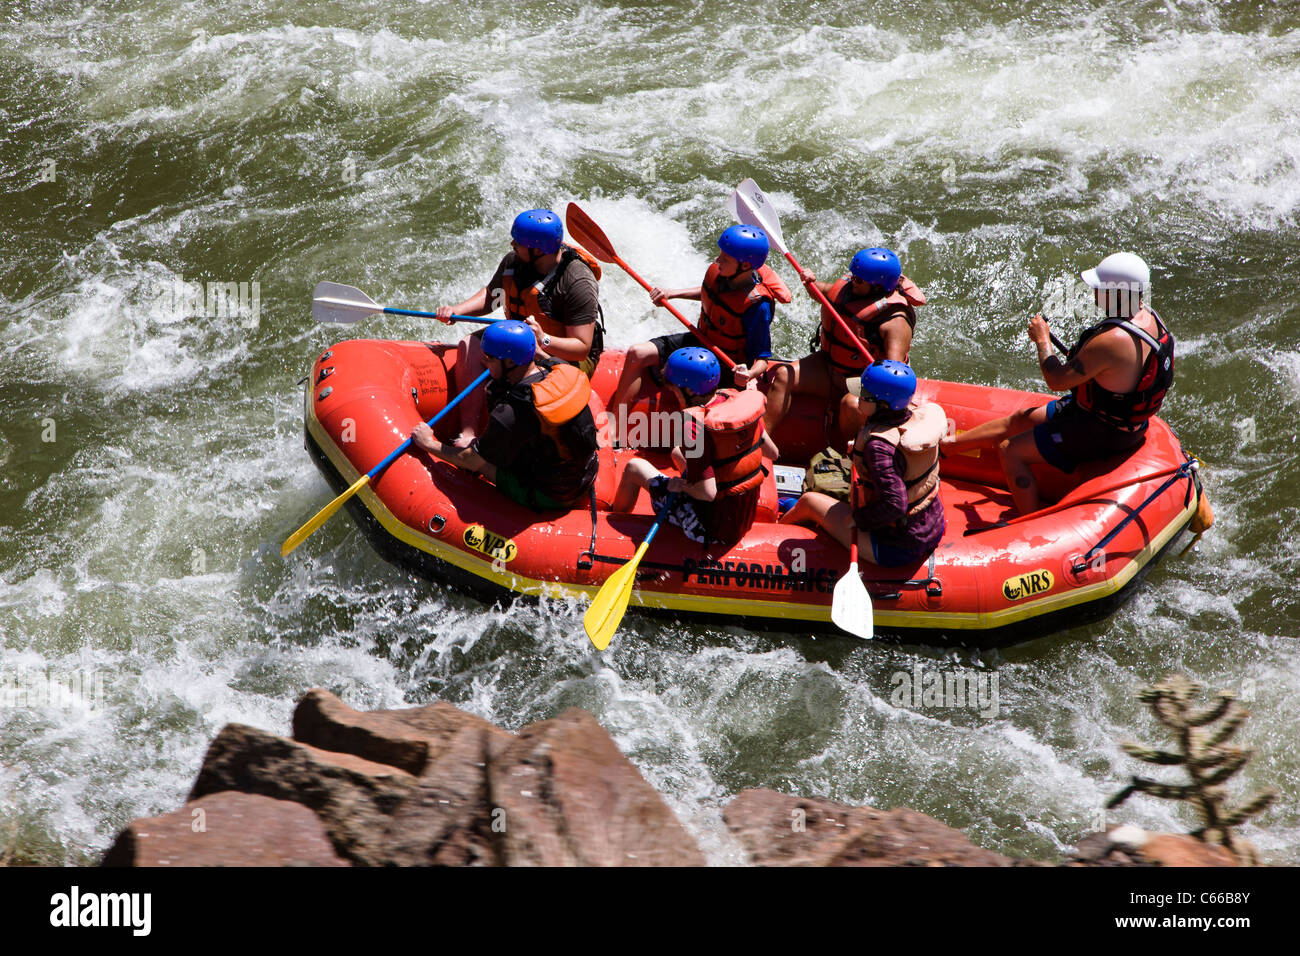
851,603
303,533
1081,494
335,302
750,207
610,603
589,235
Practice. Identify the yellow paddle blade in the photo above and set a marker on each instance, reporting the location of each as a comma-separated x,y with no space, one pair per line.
305,532
608,606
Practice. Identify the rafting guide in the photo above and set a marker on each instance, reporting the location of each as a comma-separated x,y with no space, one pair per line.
76,909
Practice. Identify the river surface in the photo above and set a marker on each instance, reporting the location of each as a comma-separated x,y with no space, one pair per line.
151,455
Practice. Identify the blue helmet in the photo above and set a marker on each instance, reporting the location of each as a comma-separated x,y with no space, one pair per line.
694,369
877,266
890,382
745,244
538,229
510,339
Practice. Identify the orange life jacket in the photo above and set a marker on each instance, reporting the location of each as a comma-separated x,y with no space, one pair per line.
560,398
535,299
918,438
721,310
734,422
864,317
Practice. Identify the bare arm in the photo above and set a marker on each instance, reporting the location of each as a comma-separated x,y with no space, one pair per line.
657,295
572,347
1098,355
706,489
465,458
477,304
897,335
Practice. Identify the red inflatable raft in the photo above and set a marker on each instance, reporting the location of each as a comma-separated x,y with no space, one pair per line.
985,585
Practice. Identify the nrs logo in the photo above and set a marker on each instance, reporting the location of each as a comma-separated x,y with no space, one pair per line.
493,545
1027,585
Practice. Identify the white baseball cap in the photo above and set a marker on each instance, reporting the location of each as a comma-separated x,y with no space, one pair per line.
1120,270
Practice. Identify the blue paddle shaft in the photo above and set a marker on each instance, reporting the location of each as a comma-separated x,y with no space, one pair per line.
433,315
659,518
397,452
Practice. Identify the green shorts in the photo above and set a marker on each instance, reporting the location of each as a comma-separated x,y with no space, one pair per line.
509,484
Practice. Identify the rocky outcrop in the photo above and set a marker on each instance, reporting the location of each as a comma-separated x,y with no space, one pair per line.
781,830
422,786
436,786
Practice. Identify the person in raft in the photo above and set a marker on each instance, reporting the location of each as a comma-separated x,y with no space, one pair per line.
547,284
737,303
879,304
540,445
1117,375
895,493
722,478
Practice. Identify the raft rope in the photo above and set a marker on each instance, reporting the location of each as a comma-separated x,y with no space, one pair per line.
1187,469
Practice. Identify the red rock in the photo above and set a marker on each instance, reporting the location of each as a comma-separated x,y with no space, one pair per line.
781,830
227,829
352,796
565,795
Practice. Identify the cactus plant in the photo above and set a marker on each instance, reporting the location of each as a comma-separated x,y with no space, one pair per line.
1202,750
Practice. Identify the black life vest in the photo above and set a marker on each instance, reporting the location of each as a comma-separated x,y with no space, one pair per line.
563,459
1130,411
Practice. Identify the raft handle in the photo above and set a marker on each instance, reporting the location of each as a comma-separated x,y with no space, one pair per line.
324,374
440,521
586,560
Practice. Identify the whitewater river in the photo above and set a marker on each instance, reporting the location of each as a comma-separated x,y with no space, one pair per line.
151,455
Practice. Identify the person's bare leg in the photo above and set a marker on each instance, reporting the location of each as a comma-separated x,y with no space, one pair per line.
1017,454
830,514
637,475
852,417
469,364
639,357
999,429
807,375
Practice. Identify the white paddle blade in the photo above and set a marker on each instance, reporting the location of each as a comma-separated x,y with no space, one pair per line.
335,302
750,206
851,605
